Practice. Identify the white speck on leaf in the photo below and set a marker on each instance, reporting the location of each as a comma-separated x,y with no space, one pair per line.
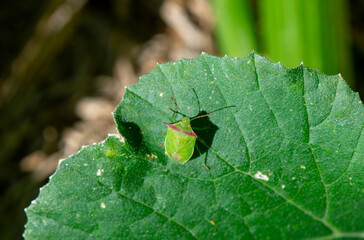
260,175
103,205
151,156
303,167
161,94
293,178
283,186
99,171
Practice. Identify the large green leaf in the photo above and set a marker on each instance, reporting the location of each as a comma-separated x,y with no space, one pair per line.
286,160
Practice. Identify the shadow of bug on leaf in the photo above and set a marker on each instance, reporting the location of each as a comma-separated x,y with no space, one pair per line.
181,137
205,131
132,133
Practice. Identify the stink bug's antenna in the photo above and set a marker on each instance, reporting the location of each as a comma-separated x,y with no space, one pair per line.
222,108
201,116
206,115
199,107
174,111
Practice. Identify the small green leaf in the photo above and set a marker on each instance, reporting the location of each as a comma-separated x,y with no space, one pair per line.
286,162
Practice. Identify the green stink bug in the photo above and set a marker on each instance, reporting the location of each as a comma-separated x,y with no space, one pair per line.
180,140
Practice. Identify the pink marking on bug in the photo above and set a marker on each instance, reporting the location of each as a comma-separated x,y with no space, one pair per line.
192,134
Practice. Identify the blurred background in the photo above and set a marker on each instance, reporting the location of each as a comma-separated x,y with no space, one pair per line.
64,65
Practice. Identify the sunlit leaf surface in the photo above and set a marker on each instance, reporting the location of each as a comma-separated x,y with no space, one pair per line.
284,147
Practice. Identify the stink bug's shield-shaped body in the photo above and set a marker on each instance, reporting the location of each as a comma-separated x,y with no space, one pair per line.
180,141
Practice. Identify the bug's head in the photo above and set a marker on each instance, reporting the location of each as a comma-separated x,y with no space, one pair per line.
185,121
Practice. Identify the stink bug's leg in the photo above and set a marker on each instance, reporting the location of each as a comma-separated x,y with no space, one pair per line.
198,101
203,142
207,146
204,163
